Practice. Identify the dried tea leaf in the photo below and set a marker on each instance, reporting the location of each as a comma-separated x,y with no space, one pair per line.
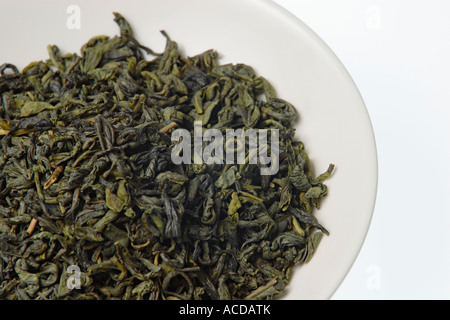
31,108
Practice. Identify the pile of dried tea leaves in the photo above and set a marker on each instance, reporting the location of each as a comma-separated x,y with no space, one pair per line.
91,205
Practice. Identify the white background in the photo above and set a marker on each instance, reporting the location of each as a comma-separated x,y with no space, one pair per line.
398,54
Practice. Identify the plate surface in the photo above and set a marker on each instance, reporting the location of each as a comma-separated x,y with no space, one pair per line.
334,123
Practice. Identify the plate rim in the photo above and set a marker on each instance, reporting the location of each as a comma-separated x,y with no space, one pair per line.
295,20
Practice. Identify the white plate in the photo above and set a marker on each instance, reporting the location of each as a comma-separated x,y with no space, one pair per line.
334,125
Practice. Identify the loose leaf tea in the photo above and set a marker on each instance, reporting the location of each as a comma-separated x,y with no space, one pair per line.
92,205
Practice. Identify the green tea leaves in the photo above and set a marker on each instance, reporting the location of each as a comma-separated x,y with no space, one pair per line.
94,206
